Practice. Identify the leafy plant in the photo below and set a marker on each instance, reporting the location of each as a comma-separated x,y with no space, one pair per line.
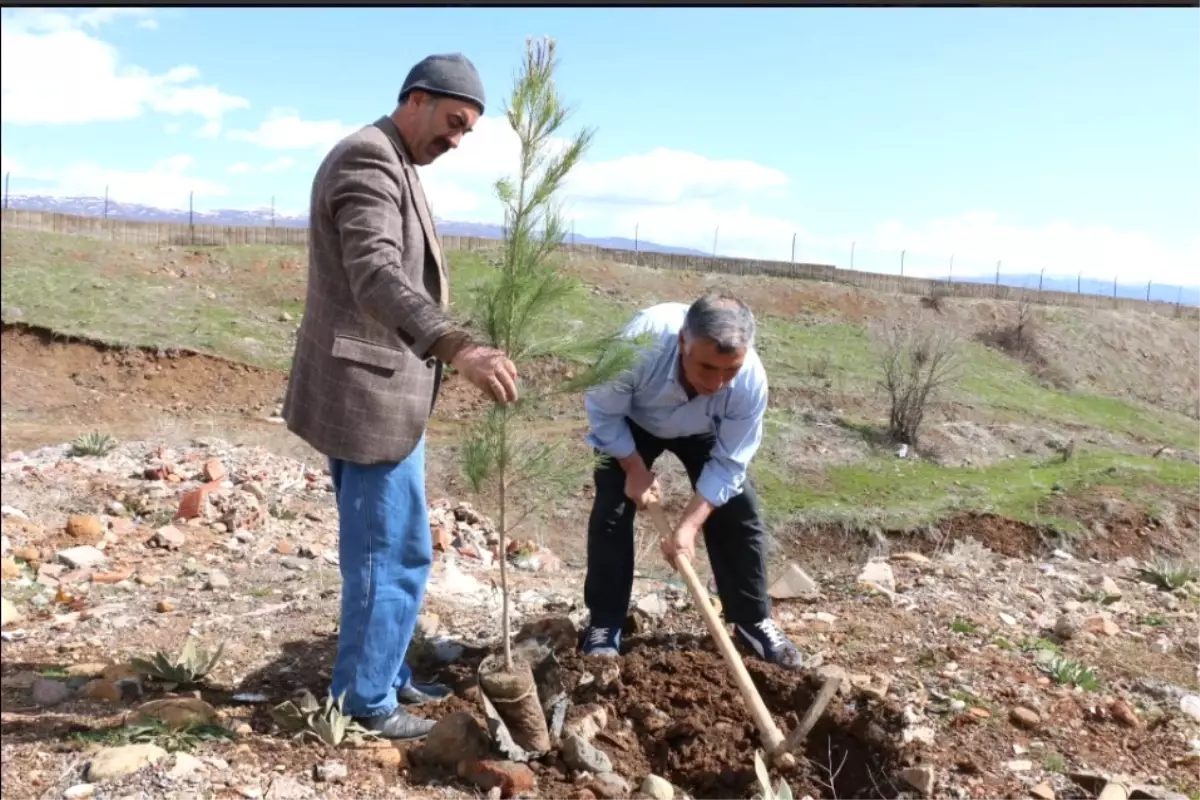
512,309
963,625
157,732
1168,575
325,722
1069,671
92,444
1154,620
188,669
782,792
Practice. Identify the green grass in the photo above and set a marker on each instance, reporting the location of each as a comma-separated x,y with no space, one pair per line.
903,494
244,302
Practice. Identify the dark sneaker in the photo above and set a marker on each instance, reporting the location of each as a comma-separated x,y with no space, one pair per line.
415,693
398,725
769,643
601,642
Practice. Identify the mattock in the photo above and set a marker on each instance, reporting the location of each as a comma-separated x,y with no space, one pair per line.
779,748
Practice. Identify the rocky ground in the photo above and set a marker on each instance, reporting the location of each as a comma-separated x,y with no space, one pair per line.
1005,670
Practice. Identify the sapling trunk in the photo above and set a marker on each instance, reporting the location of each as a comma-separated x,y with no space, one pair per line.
518,309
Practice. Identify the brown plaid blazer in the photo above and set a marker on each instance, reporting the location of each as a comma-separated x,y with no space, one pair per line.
363,380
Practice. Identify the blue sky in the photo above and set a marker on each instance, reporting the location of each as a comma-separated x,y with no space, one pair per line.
1058,139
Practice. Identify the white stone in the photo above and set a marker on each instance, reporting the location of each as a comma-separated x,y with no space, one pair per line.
792,582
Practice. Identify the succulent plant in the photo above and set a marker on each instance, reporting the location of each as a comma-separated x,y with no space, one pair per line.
325,722
93,444
189,668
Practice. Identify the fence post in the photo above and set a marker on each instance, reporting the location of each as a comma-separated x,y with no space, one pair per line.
636,258
7,175
1148,290
793,248
717,231
852,254
901,263
1041,277
951,279
1079,283
191,217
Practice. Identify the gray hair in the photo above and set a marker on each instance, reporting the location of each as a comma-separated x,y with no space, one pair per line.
724,320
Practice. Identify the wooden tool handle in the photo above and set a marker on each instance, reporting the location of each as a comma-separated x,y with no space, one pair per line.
772,737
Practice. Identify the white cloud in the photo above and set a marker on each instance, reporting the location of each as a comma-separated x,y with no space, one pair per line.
285,130
978,239
209,130
172,128
165,185
53,71
668,196
240,168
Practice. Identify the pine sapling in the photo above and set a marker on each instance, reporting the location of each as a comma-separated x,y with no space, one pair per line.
515,310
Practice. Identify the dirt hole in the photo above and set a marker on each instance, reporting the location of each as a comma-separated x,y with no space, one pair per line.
673,710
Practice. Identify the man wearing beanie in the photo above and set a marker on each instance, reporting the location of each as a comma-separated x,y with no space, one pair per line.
368,362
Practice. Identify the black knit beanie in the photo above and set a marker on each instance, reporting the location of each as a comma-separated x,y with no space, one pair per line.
450,75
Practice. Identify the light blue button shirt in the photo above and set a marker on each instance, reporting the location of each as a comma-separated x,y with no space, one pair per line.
651,395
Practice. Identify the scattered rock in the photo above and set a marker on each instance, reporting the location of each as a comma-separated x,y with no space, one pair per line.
177,712
1068,626
80,791
48,692
184,764
117,762
878,575
586,721
457,737
284,787
8,612
510,777
82,557
330,772
1101,625
1114,791
609,785
792,583
1025,718
558,632
1124,713
1190,704
217,580
1043,791
1110,588
920,778
169,537
164,606
214,470
1019,765
657,788
652,605
85,529
582,756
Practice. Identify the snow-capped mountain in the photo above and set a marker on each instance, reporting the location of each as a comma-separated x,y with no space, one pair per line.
264,217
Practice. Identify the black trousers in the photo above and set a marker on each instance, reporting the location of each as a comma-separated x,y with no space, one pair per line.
734,536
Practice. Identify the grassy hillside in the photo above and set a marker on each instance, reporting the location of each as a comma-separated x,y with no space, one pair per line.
994,446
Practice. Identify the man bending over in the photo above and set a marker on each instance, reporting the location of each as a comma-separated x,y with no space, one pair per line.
699,391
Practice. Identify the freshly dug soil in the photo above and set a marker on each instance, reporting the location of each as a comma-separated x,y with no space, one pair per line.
673,710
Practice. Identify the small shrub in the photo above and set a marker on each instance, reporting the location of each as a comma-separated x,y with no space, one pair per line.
325,722
963,625
936,299
188,669
1020,340
1070,672
1169,575
92,444
918,362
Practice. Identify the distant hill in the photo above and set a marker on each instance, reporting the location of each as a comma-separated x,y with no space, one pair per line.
1188,295
262,217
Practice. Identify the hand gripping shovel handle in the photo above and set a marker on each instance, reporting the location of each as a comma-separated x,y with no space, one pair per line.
767,729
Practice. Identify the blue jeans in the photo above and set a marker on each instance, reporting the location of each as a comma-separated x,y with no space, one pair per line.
386,552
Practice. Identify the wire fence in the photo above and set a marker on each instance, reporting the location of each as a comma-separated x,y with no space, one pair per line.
843,262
